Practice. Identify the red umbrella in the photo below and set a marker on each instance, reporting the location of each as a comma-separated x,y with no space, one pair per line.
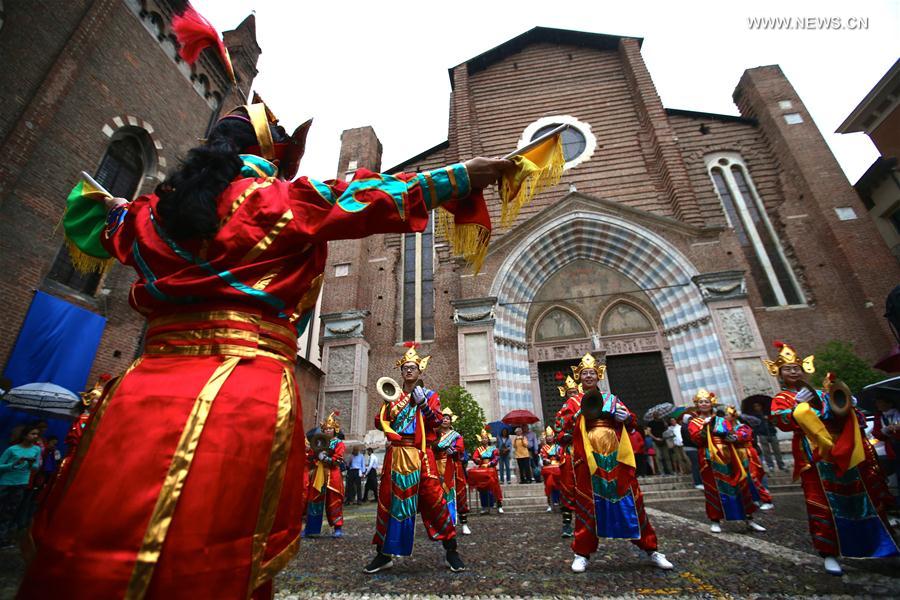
520,417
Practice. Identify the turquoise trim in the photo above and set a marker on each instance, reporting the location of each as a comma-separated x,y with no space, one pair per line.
269,169
855,507
448,440
605,488
227,276
390,185
404,509
463,185
323,190
151,280
405,420
404,481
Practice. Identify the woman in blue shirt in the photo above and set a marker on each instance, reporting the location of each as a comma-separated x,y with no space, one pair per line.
17,463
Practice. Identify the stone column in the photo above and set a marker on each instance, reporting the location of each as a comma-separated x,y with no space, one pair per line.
345,360
474,320
725,293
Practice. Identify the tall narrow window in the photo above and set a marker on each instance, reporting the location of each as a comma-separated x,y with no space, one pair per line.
418,285
747,216
120,172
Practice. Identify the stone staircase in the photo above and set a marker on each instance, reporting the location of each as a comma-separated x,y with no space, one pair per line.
529,497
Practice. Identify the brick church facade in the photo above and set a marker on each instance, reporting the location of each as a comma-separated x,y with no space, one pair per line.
676,247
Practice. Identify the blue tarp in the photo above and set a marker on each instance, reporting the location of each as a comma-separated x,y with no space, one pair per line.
57,344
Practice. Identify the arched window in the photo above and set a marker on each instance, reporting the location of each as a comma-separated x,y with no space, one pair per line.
624,318
577,140
120,172
418,285
747,216
559,324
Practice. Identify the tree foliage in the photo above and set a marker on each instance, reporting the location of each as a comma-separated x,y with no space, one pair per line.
471,416
838,357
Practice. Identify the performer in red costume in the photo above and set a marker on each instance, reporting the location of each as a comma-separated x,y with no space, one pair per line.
449,450
846,497
608,500
483,476
566,469
551,456
410,481
723,468
190,480
325,495
747,452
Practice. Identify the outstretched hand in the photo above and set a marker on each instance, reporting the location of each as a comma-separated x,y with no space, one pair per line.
484,172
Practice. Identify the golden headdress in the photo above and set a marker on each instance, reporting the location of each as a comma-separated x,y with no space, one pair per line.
449,413
549,431
570,385
412,356
589,362
703,393
332,422
485,436
788,356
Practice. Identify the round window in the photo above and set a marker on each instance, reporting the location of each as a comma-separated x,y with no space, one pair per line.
573,141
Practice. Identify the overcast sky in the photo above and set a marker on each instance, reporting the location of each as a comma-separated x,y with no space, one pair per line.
384,64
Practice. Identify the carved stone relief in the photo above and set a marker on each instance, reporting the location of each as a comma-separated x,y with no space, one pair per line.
736,329
343,402
341,364
754,377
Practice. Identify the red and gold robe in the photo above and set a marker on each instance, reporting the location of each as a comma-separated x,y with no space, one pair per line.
483,476
723,469
448,452
190,480
551,455
606,495
325,495
846,496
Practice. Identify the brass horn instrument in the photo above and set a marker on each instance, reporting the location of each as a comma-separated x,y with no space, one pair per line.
389,389
840,399
593,406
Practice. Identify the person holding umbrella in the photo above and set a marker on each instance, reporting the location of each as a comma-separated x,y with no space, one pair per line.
604,464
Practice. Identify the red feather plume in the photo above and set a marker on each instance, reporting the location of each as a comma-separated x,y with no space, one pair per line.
105,377
411,344
337,413
778,344
195,34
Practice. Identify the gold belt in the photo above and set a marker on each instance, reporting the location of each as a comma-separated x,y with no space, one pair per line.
224,332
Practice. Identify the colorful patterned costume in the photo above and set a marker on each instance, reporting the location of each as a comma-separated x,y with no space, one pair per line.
190,480
325,494
608,501
410,481
845,493
566,468
552,455
723,467
749,455
483,476
448,452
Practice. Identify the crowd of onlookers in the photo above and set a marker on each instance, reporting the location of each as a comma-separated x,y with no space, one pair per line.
27,468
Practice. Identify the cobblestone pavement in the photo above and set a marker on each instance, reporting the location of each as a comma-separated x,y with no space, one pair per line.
523,556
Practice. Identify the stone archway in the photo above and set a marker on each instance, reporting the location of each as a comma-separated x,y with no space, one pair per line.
658,268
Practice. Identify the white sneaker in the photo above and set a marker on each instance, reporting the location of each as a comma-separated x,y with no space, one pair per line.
832,566
549,509
500,510
579,564
699,486
466,530
766,506
659,560
754,525
715,528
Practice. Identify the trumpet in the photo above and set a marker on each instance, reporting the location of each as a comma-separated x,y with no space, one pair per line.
594,407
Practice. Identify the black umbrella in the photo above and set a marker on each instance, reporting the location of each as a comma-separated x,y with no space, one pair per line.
748,402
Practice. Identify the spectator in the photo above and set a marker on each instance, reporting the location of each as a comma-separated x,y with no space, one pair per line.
690,450
370,475
17,464
650,449
887,429
534,447
504,446
680,461
354,483
523,456
766,437
659,430
640,454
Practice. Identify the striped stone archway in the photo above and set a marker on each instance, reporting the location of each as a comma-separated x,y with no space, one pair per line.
651,262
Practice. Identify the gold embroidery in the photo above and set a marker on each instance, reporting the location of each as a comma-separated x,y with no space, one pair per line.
452,177
264,243
431,190
310,298
253,187
217,315
173,485
266,279
281,448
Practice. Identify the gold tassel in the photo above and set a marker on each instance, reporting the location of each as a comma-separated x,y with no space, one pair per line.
470,241
529,179
85,263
